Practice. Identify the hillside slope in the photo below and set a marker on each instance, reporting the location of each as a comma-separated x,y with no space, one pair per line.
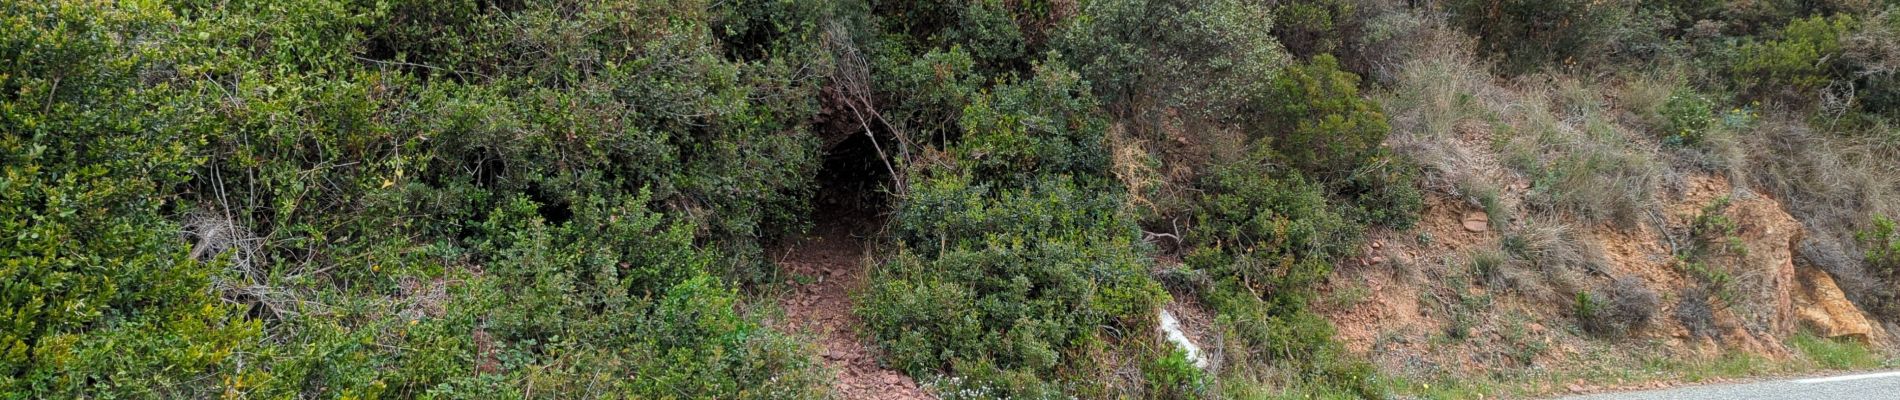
764,199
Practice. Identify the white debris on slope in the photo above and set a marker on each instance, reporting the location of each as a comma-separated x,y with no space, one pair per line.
1173,328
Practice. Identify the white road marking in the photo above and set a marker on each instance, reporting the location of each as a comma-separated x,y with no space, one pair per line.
1849,377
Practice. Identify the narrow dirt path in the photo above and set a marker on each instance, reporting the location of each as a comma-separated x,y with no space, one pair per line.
830,258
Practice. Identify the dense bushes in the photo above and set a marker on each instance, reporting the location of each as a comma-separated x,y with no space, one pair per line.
458,199
395,200
1844,65
1314,118
1311,28
100,296
615,290
1009,288
1047,126
1874,51
1014,255
1795,62
1260,234
1834,54
1277,218
1265,237
449,199
1283,167
1143,58
1529,34
1317,123
1265,234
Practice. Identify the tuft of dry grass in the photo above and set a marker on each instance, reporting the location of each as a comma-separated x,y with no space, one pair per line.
1581,161
1134,167
1559,258
1625,306
1441,113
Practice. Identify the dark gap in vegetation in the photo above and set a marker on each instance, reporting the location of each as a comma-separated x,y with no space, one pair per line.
488,168
553,209
853,186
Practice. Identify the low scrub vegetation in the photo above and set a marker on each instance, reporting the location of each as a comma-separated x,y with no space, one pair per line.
1625,306
574,199
385,201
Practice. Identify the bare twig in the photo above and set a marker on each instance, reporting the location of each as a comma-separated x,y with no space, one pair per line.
1151,236
852,76
424,66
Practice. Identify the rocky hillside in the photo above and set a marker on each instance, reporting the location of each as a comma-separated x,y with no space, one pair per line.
1506,307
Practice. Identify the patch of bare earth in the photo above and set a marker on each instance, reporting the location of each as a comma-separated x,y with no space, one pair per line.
819,306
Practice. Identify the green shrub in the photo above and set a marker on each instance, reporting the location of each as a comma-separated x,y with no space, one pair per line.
1802,57
1308,29
100,296
1530,34
1847,61
1710,277
987,30
1013,259
1045,126
1714,232
778,31
1199,73
627,292
1009,280
688,129
927,92
1588,307
1883,248
1281,231
1687,117
1712,235
1179,77
1762,17
1174,376
1384,192
1203,58
1026,296
1315,118
1266,238
1874,54
1682,13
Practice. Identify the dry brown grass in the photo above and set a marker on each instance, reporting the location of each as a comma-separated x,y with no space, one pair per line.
1626,305
1477,136
1584,162
1557,259
1439,115
1134,167
1834,183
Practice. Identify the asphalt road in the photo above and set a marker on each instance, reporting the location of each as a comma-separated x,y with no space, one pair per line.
1856,386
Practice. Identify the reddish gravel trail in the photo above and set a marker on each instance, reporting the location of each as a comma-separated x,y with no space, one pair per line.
821,306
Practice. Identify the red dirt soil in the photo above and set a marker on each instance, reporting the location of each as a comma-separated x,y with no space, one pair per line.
820,307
